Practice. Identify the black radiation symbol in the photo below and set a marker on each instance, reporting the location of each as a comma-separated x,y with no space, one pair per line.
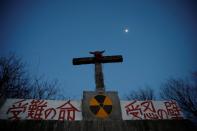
101,106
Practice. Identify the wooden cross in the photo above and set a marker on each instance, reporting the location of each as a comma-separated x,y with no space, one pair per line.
98,59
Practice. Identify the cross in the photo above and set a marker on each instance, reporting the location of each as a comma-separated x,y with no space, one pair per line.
97,60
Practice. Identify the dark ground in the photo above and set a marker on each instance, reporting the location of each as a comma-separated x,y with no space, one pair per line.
134,125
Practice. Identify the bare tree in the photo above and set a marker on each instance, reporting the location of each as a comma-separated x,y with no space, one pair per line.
43,89
16,83
146,93
13,78
184,92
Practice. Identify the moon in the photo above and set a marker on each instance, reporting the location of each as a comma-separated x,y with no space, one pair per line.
126,30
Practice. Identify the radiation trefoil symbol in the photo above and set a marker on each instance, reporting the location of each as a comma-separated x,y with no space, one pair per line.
101,106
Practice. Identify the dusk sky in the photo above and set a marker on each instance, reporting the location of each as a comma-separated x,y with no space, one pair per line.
160,41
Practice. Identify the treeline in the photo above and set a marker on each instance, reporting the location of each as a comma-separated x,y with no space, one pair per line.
183,91
16,82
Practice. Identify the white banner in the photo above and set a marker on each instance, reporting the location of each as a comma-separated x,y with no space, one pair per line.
20,109
30,109
150,110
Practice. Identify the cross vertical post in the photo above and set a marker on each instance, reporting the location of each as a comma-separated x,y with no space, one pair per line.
99,80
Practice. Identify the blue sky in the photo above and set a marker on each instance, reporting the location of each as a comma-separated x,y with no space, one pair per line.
161,42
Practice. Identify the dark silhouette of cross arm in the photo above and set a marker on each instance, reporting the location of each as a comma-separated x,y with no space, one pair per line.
98,59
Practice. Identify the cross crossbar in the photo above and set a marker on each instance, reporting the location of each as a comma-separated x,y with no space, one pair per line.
93,60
